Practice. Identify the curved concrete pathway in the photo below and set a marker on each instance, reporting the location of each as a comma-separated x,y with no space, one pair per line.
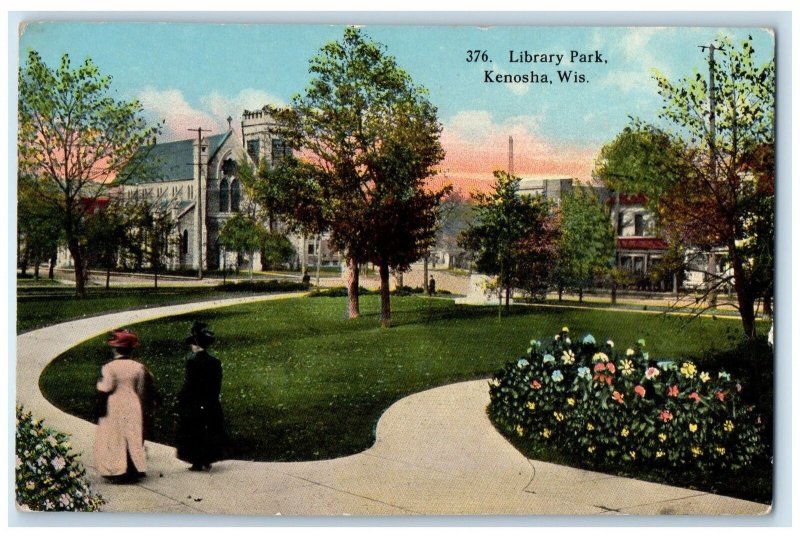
436,452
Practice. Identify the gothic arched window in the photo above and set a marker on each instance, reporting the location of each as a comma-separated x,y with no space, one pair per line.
223,195
235,195
185,242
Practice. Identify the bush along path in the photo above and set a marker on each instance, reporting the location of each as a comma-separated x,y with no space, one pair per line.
436,452
614,410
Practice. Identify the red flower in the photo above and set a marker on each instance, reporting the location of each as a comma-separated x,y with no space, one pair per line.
535,384
665,416
673,391
617,397
720,395
694,396
638,389
610,367
599,367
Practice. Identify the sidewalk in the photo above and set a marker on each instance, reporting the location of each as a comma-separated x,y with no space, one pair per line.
436,453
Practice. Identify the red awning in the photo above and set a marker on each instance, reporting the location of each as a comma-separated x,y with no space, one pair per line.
641,243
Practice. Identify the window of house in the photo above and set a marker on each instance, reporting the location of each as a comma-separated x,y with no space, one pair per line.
185,242
224,202
236,196
311,248
638,265
638,224
279,149
252,149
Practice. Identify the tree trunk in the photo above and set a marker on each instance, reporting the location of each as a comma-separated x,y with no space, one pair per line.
108,277
80,270
744,297
508,297
613,293
580,294
386,306
425,274
36,262
560,292
155,279
252,253
352,289
768,304
23,264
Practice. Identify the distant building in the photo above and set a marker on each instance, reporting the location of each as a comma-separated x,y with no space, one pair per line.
178,176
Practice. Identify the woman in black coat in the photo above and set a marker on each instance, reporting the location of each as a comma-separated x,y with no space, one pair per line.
201,427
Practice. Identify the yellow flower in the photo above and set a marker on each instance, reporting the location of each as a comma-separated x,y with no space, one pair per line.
728,426
568,357
591,449
546,433
659,453
625,432
697,451
590,426
520,430
30,485
720,450
662,437
600,357
704,377
629,352
626,366
564,329
571,401
692,428
495,382
530,405
632,454
559,416
688,369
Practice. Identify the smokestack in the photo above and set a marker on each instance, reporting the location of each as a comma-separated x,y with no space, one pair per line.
510,156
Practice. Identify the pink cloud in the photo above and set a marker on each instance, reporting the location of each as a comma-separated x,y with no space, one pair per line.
476,145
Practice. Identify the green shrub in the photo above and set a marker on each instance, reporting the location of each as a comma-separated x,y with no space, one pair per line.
599,404
405,291
49,477
264,286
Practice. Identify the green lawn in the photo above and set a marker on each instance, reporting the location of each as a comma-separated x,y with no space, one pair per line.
43,306
301,382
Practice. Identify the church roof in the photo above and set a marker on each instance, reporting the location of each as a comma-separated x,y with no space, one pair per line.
172,161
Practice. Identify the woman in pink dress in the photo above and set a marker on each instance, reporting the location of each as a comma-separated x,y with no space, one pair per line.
127,387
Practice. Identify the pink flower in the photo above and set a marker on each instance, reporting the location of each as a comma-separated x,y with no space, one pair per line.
638,389
694,396
720,395
665,416
673,391
610,367
651,372
535,384
738,387
599,367
617,397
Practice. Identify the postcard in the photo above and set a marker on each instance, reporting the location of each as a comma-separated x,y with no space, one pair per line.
325,270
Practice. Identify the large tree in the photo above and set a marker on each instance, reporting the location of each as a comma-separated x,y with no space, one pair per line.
514,237
586,246
75,141
709,169
243,233
368,138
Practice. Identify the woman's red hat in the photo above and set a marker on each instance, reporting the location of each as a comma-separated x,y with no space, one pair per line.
124,338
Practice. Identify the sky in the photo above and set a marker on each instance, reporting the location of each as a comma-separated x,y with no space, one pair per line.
193,75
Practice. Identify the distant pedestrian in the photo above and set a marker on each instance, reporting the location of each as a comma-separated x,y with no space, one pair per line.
431,286
126,397
201,425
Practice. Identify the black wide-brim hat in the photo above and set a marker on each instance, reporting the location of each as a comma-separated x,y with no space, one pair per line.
200,335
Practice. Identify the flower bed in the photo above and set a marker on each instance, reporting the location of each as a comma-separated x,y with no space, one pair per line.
598,403
48,476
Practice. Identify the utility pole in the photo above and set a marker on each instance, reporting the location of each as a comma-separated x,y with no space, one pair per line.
199,219
711,267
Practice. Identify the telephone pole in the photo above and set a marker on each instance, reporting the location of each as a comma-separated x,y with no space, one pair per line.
712,128
199,219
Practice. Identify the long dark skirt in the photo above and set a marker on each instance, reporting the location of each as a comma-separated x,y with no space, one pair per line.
201,435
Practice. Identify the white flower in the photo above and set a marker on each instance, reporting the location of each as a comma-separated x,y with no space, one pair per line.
610,343
568,357
629,352
58,463
557,376
548,358
522,363
567,340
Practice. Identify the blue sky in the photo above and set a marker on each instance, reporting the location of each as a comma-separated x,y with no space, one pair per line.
193,74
